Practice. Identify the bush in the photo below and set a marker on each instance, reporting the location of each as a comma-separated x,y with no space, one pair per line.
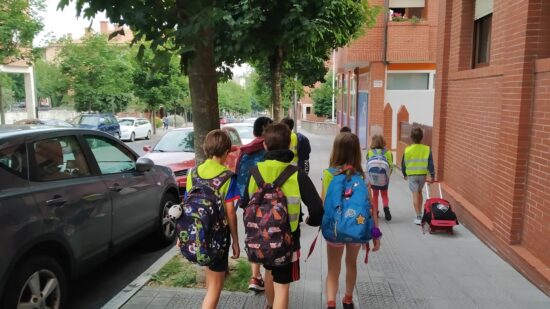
158,122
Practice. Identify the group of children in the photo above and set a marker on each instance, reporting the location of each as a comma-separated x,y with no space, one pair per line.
273,143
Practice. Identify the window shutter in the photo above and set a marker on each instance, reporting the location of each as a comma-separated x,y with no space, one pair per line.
483,8
407,3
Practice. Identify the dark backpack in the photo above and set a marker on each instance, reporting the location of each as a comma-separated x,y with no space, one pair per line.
248,161
202,227
267,225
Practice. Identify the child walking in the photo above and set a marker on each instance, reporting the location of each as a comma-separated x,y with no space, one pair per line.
297,187
417,167
378,148
346,151
217,145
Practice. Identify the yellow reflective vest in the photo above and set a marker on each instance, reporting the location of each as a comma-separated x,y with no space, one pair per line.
294,147
270,170
416,159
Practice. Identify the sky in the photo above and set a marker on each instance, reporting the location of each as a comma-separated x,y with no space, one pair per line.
58,23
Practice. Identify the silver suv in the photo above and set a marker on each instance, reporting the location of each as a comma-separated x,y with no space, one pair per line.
69,199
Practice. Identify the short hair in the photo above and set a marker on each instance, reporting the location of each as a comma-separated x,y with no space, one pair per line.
277,136
259,125
377,142
345,130
289,122
216,143
417,135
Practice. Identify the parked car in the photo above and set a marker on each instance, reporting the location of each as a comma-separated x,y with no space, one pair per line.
47,122
101,122
223,120
176,150
132,128
245,130
69,199
250,120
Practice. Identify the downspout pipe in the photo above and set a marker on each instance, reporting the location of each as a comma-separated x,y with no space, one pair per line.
386,19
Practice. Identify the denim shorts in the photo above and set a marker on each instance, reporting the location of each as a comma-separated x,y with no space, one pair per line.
416,182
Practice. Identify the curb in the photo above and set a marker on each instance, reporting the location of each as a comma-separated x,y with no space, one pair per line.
131,289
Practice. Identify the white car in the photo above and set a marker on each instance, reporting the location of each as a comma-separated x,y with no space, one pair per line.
245,130
132,128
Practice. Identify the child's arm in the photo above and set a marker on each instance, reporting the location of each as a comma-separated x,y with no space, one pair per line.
311,198
232,220
374,209
403,167
431,168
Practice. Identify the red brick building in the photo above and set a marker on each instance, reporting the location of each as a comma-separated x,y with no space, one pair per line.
387,75
491,134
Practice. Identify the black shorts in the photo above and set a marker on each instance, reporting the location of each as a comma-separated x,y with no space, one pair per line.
222,264
285,274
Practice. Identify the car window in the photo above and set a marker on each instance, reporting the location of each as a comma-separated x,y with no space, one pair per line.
235,141
58,158
126,122
112,120
13,165
176,141
110,157
89,120
245,132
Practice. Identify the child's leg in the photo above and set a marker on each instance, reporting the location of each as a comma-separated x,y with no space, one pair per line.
281,291
269,289
214,280
385,198
334,258
375,193
352,251
255,270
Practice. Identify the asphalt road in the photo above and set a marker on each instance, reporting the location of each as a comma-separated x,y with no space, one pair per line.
95,289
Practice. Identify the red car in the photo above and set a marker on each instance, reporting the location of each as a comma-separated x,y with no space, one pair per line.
176,151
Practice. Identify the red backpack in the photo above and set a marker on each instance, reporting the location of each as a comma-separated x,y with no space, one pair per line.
267,226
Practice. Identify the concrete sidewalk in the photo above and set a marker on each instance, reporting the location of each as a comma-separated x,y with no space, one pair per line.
412,269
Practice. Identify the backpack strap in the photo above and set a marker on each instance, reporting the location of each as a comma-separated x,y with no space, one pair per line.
255,172
285,175
217,182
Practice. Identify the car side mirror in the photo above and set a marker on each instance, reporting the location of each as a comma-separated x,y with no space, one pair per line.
144,164
147,148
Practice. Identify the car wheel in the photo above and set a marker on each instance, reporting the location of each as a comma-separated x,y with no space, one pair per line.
38,282
148,135
133,137
166,227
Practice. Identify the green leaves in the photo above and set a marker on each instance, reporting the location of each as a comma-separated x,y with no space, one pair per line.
322,98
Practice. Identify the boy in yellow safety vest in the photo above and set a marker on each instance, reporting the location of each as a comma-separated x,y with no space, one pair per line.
418,167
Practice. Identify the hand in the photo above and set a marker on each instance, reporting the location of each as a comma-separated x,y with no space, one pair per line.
429,178
236,250
376,246
178,243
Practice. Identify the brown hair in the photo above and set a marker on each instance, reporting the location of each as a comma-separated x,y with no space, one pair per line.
417,135
346,150
216,143
377,142
277,136
345,130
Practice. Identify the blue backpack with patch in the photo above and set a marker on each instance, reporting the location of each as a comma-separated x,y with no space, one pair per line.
347,217
247,162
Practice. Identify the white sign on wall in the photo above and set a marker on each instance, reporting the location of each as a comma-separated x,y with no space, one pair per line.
377,83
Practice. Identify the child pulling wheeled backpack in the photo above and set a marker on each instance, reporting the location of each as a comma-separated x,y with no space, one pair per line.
438,213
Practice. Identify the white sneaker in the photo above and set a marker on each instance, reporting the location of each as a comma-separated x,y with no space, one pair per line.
418,220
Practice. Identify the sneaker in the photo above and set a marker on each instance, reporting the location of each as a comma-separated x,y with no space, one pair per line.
418,220
348,306
387,213
256,284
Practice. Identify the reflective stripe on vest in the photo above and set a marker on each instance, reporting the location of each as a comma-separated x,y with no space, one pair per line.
270,170
294,147
416,159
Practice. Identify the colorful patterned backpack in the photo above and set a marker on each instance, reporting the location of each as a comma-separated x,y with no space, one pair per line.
267,225
202,227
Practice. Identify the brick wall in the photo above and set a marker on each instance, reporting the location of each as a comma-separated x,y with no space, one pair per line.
388,115
492,130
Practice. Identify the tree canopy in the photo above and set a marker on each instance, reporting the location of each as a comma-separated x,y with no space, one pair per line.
233,97
98,73
50,82
322,98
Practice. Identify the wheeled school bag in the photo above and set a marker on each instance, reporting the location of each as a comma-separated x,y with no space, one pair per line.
438,213
347,217
202,226
268,238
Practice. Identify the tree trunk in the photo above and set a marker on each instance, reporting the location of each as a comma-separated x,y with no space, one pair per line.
2,115
153,120
276,67
204,93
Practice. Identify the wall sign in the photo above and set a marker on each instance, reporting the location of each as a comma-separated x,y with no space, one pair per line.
378,83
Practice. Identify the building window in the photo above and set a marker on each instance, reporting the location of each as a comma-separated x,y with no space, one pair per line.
408,81
308,110
483,19
406,9
353,101
345,94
